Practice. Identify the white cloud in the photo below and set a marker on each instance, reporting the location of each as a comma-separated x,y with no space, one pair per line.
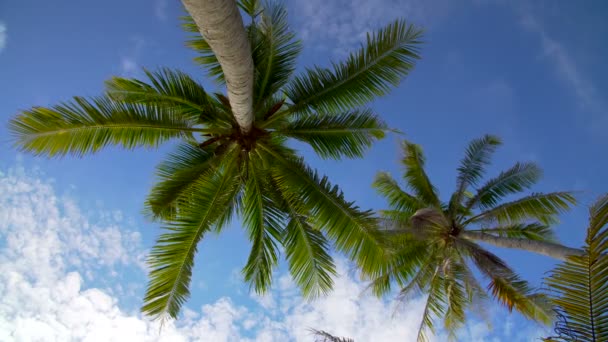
129,62
47,244
3,35
342,24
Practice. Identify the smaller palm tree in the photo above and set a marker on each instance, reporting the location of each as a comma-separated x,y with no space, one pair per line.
433,242
580,285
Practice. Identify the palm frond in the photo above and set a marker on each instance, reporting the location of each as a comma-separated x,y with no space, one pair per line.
86,126
434,307
172,258
274,51
580,285
530,231
307,250
177,174
171,89
516,179
456,298
263,220
345,135
540,206
477,157
206,57
415,176
399,200
388,56
324,336
354,231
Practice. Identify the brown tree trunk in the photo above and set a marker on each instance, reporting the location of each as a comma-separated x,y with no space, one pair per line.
221,25
549,249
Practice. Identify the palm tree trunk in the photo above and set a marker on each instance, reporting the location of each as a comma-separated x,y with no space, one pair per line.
549,249
220,23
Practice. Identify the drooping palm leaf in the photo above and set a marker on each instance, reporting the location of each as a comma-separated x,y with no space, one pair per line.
172,258
345,135
580,285
86,126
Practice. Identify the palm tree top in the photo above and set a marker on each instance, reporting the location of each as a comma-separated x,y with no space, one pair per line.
433,242
220,170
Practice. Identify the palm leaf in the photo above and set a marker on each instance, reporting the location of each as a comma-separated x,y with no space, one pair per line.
346,135
530,231
540,206
170,89
518,178
580,285
434,306
353,231
177,174
263,221
86,126
324,336
387,57
477,157
274,51
172,258
416,177
398,199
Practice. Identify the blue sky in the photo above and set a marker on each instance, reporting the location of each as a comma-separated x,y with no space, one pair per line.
72,237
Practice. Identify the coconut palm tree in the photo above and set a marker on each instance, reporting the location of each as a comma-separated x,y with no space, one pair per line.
434,243
221,168
579,285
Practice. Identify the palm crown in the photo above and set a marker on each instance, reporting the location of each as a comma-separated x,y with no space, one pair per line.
433,241
218,171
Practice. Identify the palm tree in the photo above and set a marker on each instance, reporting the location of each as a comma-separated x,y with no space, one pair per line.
580,284
221,169
433,242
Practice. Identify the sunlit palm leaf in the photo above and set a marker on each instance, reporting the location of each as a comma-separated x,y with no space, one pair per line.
434,306
171,89
402,202
531,231
580,285
516,179
263,220
172,258
345,135
477,157
388,55
85,126
416,177
541,207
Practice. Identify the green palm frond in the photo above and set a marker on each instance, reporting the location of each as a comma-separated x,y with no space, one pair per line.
354,231
434,306
274,51
531,231
400,201
263,220
477,157
345,135
206,57
172,258
388,55
310,263
171,89
516,179
416,177
86,126
541,206
456,299
177,174
580,285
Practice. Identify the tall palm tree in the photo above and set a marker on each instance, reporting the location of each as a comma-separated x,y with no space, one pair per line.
220,170
580,284
433,242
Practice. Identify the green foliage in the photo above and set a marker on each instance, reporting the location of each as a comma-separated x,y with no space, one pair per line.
324,336
579,286
218,172
429,255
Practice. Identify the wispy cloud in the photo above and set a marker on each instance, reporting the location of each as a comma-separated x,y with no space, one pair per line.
160,9
129,62
341,24
3,35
